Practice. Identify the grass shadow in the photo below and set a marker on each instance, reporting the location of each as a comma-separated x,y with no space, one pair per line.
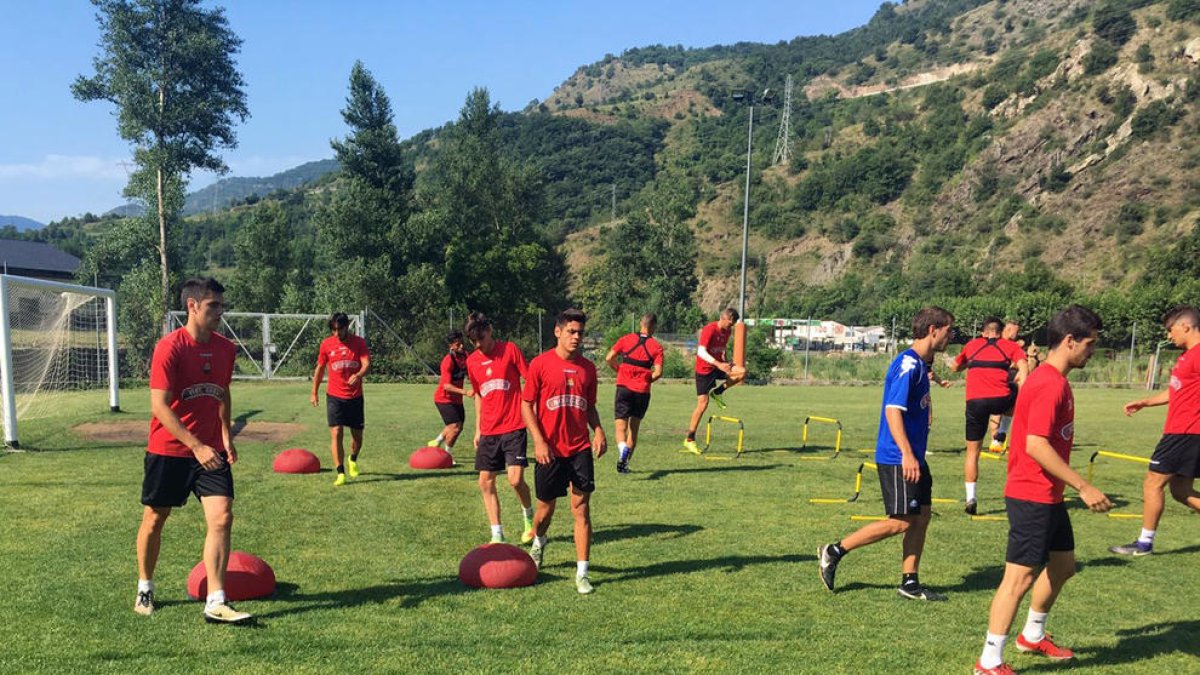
663,473
381,477
411,593
727,564
241,420
611,534
1137,644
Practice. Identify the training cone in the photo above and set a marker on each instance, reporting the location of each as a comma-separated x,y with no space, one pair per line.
497,566
296,460
429,457
246,578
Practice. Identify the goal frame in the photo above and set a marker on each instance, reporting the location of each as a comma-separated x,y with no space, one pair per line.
8,404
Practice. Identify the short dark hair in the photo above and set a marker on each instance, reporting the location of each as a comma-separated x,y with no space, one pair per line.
650,319
197,288
338,320
568,315
1182,312
454,336
477,325
731,314
930,317
993,323
1077,321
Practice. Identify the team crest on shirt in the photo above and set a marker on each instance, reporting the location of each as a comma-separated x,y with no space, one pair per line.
499,384
207,367
906,364
202,389
566,401
488,372
1176,383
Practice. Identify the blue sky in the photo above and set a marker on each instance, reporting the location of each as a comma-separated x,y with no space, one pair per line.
60,157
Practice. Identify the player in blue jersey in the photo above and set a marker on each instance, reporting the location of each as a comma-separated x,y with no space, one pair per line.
904,476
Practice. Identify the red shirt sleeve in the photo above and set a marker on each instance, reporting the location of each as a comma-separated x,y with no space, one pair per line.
1040,419
706,336
532,376
962,356
231,358
447,368
322,355
591,389
658,352
1015,353
519,359
162,365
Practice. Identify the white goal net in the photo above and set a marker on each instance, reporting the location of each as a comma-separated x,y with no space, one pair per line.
58,350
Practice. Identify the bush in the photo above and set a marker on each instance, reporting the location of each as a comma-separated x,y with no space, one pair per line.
1183,10
1153,120
1114,23
1101,57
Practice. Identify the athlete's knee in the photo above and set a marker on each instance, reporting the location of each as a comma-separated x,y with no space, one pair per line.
221,520
516,480
154,517
1182,491
487,482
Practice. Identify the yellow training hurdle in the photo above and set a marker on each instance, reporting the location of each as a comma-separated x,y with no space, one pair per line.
1112,455
708,436
858,479
837,444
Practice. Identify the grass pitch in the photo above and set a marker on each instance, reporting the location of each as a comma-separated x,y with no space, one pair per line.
701,566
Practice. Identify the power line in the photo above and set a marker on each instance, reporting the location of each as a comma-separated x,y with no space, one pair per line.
783,144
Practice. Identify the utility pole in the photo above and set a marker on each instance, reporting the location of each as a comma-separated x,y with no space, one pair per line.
783,143
614,201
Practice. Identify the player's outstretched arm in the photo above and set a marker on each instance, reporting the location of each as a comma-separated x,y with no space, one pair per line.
1162,398
1039,448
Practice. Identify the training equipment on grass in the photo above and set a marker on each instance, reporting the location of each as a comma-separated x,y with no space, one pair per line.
985,518
708,436
296,460
430,457
739,344
859,518
497,566
837,444
858,474
1113,455
58,343
1127,516
994,456
246,578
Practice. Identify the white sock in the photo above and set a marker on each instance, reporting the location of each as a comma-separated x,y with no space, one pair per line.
527,511
215,598
1005,424
622,446
145,585
497,531
1147,536
440,438
540,541
993,650
970,491
581,568
1035,627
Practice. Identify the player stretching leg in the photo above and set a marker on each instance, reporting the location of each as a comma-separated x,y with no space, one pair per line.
714,374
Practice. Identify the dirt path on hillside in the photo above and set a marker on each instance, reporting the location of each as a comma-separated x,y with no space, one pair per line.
821,85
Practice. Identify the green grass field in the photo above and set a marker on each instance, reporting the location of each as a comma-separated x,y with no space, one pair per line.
699,565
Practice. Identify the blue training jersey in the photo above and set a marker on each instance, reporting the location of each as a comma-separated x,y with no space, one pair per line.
906,387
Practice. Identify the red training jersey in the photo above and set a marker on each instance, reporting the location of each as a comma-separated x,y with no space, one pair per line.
1183,404
496,379
562,392
343,359
1045,407
639,354
713,339
197,374
454,371
988,361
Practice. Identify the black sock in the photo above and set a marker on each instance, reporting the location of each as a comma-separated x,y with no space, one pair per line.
719,389
909,580
341,469
354,457
691,436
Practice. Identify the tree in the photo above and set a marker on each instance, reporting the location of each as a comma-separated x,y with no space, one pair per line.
372,153
1114,23
168,67
262,250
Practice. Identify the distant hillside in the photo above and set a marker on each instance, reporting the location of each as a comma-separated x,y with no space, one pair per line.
21,223
229,191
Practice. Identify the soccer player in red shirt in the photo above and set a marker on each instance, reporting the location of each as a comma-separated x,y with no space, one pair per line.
714,374
640,365
191,446
1176,460
448,397
495,369
348,360
986,359
1040,535
559,406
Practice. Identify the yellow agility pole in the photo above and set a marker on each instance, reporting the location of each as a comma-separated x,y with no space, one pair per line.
708,435
1112,455
857,487
989,517
868,517
837,444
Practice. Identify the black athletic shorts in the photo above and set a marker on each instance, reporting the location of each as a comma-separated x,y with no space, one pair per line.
344,412
705,383
502,450
452,413
1035,529
630,403
901,498
980,409
166,481
552,480
1177,454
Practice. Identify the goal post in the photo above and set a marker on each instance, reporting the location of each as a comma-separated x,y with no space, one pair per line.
50,341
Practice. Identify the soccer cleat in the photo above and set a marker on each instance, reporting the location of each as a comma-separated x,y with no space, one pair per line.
690,446
224,613
716,398
1045,647
971,507
829,563
497,539
622,467
583,585
527,535
352,468
536,551
144,603
433,443
1137,548
920,592
1002,669
340,480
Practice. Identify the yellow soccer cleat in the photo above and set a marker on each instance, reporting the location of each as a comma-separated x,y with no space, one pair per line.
527,535
340,480
690,446
352,468
433,444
